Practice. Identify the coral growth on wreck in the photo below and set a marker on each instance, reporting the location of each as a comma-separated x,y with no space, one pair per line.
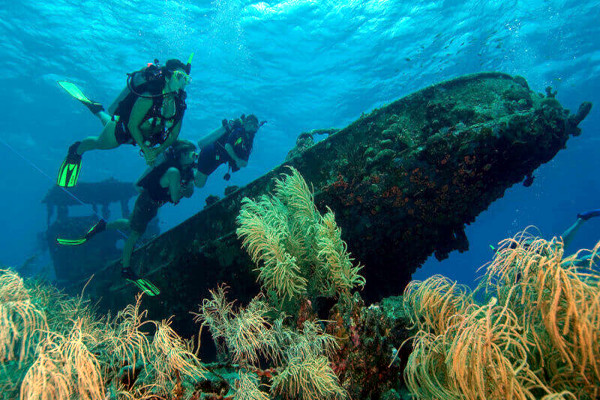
300,256
531,329
299,252
298,364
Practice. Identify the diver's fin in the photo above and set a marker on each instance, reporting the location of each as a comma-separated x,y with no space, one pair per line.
188,66
143,284
76,93
70,168
98,227
71,242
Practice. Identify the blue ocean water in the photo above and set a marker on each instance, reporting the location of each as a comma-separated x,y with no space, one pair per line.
300,65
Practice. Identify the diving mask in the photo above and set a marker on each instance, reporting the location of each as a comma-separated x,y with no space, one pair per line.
181,77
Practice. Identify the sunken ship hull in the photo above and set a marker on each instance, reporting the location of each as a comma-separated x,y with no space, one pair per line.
403,180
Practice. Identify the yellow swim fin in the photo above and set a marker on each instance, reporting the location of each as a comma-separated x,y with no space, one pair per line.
70,168
77,94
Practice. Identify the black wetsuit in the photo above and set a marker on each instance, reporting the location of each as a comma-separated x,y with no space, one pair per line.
214,154
153,195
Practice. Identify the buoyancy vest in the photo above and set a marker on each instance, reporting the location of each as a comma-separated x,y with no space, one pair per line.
149,82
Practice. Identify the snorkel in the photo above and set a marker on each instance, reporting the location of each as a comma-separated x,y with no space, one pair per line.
181,76
188,66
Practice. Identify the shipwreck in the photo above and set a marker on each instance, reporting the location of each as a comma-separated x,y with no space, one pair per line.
403,181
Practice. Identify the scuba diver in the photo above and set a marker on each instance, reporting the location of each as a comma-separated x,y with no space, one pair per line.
167,182
147,113
231,143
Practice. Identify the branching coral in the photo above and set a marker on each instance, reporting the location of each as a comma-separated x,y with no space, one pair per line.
300,255
341,275
308,377
245,331
538,336
432,305
247,388
297,251
264,229
172,357
307,373
79,354
47,379
303,369
20,320
124,337
560,303
64,368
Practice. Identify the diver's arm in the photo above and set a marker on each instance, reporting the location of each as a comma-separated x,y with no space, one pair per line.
241,163
173,135
188,189
172,180
138,112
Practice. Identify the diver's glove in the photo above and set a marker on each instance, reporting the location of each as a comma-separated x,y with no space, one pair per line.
589,214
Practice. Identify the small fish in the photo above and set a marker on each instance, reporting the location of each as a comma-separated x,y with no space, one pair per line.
528,180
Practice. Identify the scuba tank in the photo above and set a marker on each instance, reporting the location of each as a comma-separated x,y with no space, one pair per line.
150,78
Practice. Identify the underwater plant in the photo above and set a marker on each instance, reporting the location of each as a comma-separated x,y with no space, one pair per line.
244,331
56,347
298,252
64,367
299,359
20,319
172,358
247,388
536,335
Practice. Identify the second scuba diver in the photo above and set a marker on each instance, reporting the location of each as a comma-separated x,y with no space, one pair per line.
167,182
231,143
148,113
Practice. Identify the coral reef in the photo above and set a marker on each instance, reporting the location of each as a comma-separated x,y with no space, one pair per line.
534,333
298,361
302,260
56,347
366,337
530,330
299,252
300,257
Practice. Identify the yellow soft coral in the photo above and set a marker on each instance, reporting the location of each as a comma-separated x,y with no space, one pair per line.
297,250
21,321
538,335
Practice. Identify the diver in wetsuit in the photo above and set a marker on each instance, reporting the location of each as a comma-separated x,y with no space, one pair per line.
231,143
148,113
167,182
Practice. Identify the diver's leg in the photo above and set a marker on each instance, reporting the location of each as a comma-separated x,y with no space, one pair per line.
105,141
143,211
121,224
104,117
128,248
